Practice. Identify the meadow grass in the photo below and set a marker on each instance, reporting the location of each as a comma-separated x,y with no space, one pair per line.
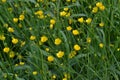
59,39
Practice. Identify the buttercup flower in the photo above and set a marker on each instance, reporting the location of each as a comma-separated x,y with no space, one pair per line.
68,0
3,1
72,54
63,13
88,21
101,24
99,4
101,45
32,37
70,21
2,37
77,47
58,41
44,39
75,32
95,10
52,21
60,54
34,72
11,54
88,40
51,26
66,9
5,25
102,8
40,12
22,63
21,17
6,49
54,76
20,25
47,49
50,58
69,28
53,0
15,20
65,78
10,29
14,41
81,20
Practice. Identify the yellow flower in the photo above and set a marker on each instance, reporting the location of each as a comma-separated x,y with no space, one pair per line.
72,54
60,54
5,25
101,24
75,32
10,9
73,0
68,0
14,41
11,54
88,21
101,45
54,76
16,65
6,49
15,20
88,40
52,21
44,39
118,49
30,28
5,75
3,1
89,6
47,49
66,9
16,75
68,14
53,0
20,56
21,17
34,72
51,26
77,47
37,5
69,28
64,79
63,13
50,58
40,0
70,21
58,41
41,16
21,63
20,25
95,10
40,12
32,37
10,29
67,75
99,4
102,8
2,37
22,43
81,20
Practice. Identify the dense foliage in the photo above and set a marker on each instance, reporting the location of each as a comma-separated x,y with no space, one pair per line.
59,39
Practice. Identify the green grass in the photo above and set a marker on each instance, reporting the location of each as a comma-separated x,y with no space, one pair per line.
29,61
